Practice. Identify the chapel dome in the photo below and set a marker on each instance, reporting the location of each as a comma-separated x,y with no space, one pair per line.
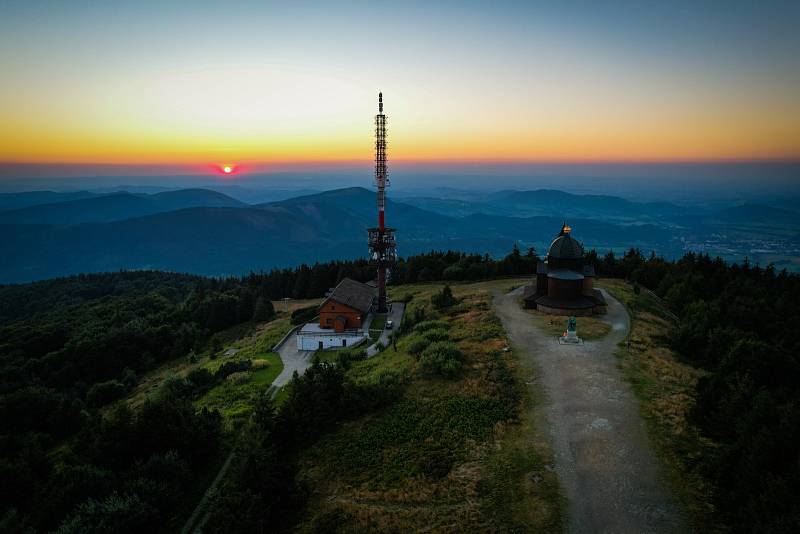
564,247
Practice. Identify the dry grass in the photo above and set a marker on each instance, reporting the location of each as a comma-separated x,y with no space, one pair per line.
665,388
497,481
294,304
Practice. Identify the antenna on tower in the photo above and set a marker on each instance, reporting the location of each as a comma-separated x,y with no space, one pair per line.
382,245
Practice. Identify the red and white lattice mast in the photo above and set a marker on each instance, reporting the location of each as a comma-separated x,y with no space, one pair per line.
382,244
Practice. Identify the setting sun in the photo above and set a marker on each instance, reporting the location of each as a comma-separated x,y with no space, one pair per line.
227,169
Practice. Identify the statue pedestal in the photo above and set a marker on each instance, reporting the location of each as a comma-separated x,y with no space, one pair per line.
570,338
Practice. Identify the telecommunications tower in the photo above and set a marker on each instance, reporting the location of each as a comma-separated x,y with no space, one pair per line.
382,245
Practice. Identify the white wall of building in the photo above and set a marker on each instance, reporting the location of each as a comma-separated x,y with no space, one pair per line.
332,340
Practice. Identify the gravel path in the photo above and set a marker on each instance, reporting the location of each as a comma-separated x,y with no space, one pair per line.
606,465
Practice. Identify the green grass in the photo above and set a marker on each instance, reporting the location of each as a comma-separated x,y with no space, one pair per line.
370,370
235,400
450,453
521,489
412,438
378,322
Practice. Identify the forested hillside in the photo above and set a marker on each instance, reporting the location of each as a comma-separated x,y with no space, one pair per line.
739,323
71,346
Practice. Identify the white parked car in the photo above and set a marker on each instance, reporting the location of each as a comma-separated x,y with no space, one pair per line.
389,325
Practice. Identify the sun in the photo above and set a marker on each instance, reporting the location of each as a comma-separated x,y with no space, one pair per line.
227,169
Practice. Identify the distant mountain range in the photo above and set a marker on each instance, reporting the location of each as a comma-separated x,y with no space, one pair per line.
116,207
207,232
9,201
551,203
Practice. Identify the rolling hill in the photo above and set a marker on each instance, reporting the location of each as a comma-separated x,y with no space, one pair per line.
10,201
548,202
115,207
757,214
232,240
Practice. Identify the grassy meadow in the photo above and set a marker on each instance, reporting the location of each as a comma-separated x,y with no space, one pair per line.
454,453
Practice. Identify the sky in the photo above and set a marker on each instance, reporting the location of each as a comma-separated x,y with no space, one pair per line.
188,87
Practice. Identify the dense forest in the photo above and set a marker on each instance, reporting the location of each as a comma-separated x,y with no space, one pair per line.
71,346
740,323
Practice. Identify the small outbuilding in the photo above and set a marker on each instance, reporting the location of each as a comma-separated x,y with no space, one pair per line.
564,283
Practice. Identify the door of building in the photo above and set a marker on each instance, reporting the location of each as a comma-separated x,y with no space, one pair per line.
320,345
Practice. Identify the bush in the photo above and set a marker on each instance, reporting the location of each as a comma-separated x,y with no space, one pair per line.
263,310
417,344
303,315
103,393
443,299
412,317
345,357
201,379
435,334
119,514
174,387
441,358
430,325
228,368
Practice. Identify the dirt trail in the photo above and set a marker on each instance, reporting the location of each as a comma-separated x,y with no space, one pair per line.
606,465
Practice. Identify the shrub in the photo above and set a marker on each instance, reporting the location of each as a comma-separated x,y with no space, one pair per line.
102,393
200,379
443,299
114,514
417,344
240,377
441,358
175,386
412,318
430,325
345,357
435,334
228,368
393,377
303,315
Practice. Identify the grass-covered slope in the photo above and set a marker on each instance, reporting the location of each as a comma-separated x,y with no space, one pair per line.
452,452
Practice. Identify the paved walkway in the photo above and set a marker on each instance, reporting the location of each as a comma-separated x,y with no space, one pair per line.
606,465
396,316
293,360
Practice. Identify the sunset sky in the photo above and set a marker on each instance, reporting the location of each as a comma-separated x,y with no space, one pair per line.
255,84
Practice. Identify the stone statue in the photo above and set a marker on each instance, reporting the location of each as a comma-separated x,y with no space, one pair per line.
570,336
